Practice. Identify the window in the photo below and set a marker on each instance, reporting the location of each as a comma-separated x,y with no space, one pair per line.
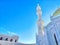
15,40
1,38
11,40
6,39
55,39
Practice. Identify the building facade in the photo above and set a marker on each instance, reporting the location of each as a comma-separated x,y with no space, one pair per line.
8,40
53,29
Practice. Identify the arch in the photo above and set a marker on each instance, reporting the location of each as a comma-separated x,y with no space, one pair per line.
11,40
55,39
15,40
6,39
1,38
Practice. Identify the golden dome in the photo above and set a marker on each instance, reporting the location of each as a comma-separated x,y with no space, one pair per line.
57,12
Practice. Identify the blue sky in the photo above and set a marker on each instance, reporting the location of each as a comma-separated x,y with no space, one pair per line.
19,17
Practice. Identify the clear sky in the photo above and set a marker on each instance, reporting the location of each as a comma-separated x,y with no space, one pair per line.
19,17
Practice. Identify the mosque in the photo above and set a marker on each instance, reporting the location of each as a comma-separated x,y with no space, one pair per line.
46,35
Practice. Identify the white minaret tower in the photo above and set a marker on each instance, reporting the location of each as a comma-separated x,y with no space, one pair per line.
40,21
40,34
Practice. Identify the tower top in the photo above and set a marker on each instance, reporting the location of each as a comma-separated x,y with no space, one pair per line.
38,9
40,21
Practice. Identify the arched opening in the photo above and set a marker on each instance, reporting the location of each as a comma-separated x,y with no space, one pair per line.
55,39
11,40
15,40
6,39
1,38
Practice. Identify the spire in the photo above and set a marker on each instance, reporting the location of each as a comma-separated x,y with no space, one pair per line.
40,21
39,12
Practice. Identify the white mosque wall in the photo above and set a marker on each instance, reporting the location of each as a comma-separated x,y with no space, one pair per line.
53,28
49,37
50,30
6,43
46,39
57,27
23,44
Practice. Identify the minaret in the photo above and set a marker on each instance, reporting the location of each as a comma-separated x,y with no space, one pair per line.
40,21
41,38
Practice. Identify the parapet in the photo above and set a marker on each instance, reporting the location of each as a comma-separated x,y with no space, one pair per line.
8,38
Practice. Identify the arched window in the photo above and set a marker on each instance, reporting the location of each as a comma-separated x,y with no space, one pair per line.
15,40
1,38
11,40
6,39
55,39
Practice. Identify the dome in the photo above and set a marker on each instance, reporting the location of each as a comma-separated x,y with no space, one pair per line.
57,12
